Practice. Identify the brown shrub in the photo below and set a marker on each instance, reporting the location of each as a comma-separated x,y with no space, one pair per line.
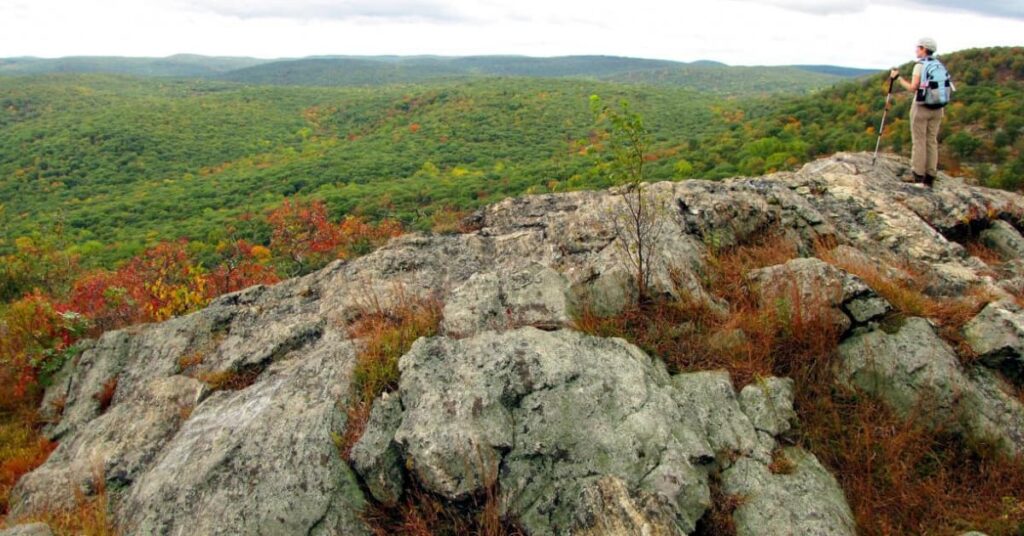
230,380
105,397
422,513
909,297
386,333
89,517
900,477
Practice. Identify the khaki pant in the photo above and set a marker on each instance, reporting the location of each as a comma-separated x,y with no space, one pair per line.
924,129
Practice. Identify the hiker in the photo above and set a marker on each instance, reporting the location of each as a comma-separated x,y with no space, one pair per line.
932,87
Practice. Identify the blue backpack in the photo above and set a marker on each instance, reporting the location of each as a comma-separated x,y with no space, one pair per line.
936,85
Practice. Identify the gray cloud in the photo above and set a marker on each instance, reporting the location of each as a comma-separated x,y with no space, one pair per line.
389,10
997,8
818,7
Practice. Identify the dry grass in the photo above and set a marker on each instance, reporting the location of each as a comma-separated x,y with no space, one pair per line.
105,397
976,248
22,449
386,333
907,295
190,361
230,380
450,221
748,338
899,477
89,517
717,520
781,464
422,513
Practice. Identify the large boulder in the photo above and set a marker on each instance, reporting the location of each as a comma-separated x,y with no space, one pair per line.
376,457
996,334
1004,239
582,434
536,296
115,448
816,292
803,499
257,461
919,376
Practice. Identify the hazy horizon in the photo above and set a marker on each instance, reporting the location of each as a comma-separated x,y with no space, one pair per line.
414,56
854,33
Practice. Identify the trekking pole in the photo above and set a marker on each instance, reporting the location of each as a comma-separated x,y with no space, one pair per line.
881,128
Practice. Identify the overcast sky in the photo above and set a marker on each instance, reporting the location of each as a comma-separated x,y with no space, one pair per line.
861,33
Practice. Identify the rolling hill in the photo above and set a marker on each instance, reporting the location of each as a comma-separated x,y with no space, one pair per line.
700,76
121,162
388,70
182,65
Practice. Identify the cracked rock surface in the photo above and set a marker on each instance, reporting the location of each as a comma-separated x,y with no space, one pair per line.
570,423
582,435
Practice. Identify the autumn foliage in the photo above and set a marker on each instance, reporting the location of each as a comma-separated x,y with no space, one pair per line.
899,476
48,301
305,237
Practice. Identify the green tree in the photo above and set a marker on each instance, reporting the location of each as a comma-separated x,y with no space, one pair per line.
638,226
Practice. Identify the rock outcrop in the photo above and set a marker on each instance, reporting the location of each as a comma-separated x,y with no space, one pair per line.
917,374
225,421
565,421
997,335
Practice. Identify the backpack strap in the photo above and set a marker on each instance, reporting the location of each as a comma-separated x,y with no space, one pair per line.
925,77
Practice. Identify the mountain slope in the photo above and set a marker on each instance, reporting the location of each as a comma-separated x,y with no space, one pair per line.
706,76
184,65
120,163
383,70
495,393
120,159
982,135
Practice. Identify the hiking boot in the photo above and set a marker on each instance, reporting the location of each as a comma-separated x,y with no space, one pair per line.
929,180
918,179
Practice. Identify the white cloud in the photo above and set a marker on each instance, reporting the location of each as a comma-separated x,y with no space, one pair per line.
746,32
819,7
400,10
994,8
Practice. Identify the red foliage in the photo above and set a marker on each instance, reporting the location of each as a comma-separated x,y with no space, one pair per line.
31,330
303,233
355,235
100,297
244,266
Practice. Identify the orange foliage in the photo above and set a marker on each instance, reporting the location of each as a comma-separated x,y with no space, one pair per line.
22,449
245,265
160,283
303,233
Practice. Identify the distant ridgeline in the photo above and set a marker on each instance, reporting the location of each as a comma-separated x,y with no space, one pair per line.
382,70
177,147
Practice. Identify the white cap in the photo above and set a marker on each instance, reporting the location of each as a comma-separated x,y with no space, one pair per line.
928,43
